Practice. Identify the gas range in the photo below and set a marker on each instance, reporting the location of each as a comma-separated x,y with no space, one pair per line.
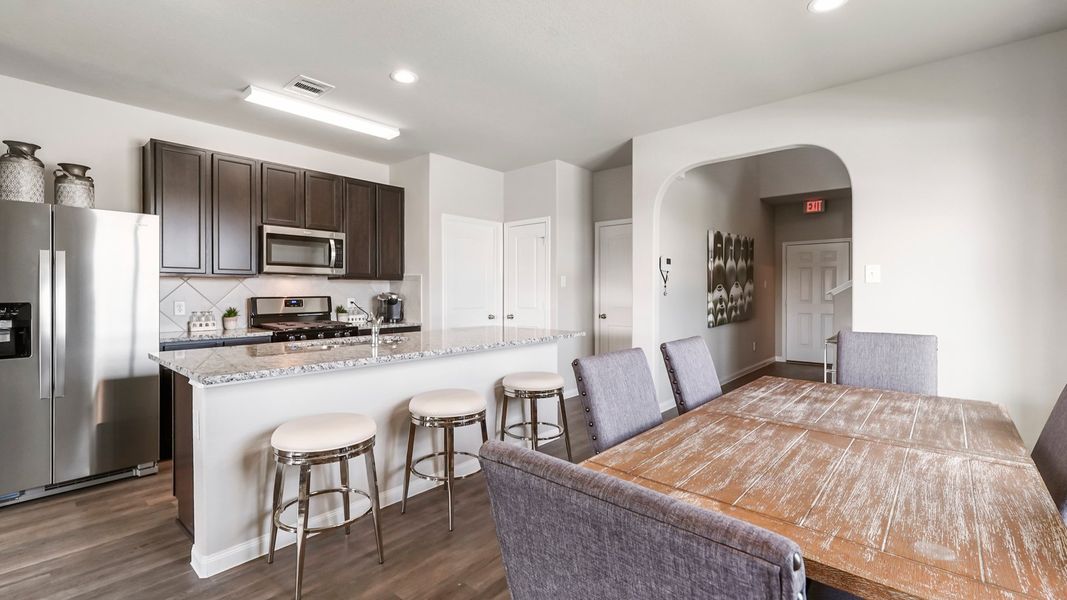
296,318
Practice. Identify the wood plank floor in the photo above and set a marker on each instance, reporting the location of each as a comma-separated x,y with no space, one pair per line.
120,540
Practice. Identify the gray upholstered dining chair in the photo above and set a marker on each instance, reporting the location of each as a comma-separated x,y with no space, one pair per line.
569,532
691,372
888,361
618,396
1050,454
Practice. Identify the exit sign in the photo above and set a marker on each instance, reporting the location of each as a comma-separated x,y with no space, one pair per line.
815,205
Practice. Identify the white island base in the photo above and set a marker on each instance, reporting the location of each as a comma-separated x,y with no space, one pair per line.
233,467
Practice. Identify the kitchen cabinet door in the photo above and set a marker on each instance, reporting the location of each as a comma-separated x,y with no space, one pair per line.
235,203
390,221
176,187
283,195
323,202
361,237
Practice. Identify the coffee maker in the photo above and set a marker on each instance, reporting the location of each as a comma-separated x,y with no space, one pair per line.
390,307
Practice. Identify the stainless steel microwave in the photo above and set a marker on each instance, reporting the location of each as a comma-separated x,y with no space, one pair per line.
302,251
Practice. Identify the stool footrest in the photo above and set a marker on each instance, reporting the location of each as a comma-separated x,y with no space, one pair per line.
437,478
541,437
345,492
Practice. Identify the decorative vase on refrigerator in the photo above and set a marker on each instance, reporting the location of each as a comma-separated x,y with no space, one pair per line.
21,173
74,187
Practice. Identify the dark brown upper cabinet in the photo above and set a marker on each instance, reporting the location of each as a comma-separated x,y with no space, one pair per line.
283,195
235,204
175,180
390,232
374,230
324,206
361,226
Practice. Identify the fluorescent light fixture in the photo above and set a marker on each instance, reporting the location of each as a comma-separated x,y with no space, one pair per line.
314,111
403,76
821,6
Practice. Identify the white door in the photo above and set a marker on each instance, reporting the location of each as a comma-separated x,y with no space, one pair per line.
527,295
613,285
472,272
811,270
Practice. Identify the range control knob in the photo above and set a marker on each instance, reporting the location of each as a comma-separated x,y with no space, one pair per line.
303,337
292,338
321,336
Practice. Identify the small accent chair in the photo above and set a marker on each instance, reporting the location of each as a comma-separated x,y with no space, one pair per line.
322,440
618,540
691,371
1050,454
618,396
888,361
442,409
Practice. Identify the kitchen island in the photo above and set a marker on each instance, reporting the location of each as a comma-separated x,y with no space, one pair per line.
228,401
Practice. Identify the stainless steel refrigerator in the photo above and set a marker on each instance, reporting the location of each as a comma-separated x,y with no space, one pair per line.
79,296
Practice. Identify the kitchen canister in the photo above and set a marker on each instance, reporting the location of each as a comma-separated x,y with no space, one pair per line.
21,173
73,186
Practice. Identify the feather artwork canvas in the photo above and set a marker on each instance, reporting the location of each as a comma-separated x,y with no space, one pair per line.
731,278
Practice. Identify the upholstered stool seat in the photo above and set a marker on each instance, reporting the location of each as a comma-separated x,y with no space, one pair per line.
333,438
446,403
323,432
534,381
442,409
532,386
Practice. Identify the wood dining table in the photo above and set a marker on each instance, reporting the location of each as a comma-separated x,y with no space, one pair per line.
889,495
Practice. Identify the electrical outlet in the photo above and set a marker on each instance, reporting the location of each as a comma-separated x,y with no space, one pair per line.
562,281
753,346
350,304
872,274
179,309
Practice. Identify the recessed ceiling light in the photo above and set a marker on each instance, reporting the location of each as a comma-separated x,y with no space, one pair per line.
403,76
314,111
821,6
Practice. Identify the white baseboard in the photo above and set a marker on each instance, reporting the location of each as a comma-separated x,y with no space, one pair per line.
213,564
779,359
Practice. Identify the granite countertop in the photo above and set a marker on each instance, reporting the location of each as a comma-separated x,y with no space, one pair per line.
234,364
218,334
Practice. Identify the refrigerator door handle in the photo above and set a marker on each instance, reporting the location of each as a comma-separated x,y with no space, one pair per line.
44,323
61,324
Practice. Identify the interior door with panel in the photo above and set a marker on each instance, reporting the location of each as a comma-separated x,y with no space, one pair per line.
234,204
390,223
812,270
527,291
472,268
613,286
283,195
323,202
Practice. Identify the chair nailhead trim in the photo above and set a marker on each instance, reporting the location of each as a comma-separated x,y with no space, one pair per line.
587,410
590,423
797,562
594,438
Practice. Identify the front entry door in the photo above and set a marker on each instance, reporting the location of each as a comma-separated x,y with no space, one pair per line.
811,271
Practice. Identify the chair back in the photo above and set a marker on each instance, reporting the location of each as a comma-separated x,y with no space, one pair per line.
618,395
888,361
1050,454
569,532
691,371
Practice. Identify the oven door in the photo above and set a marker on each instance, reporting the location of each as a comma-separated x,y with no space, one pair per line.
302,251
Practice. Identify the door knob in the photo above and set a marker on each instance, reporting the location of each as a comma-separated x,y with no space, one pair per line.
603,316
491,317
511,316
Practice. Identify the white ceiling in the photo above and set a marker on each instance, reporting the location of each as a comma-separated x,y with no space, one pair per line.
504,83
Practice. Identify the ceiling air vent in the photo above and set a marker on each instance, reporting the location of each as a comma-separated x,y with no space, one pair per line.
306,86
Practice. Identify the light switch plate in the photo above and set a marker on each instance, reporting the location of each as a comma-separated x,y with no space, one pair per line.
562,281
179,309
872,274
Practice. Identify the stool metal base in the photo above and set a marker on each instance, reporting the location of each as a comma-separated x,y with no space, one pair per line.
449,425
439,478
533,424
346,495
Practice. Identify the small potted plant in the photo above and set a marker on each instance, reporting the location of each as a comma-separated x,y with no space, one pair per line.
229,318
342,313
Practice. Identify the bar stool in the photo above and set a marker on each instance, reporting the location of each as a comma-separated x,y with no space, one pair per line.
442,409
532,386
318,440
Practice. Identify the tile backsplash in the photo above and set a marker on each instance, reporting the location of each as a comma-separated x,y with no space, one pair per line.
218,293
